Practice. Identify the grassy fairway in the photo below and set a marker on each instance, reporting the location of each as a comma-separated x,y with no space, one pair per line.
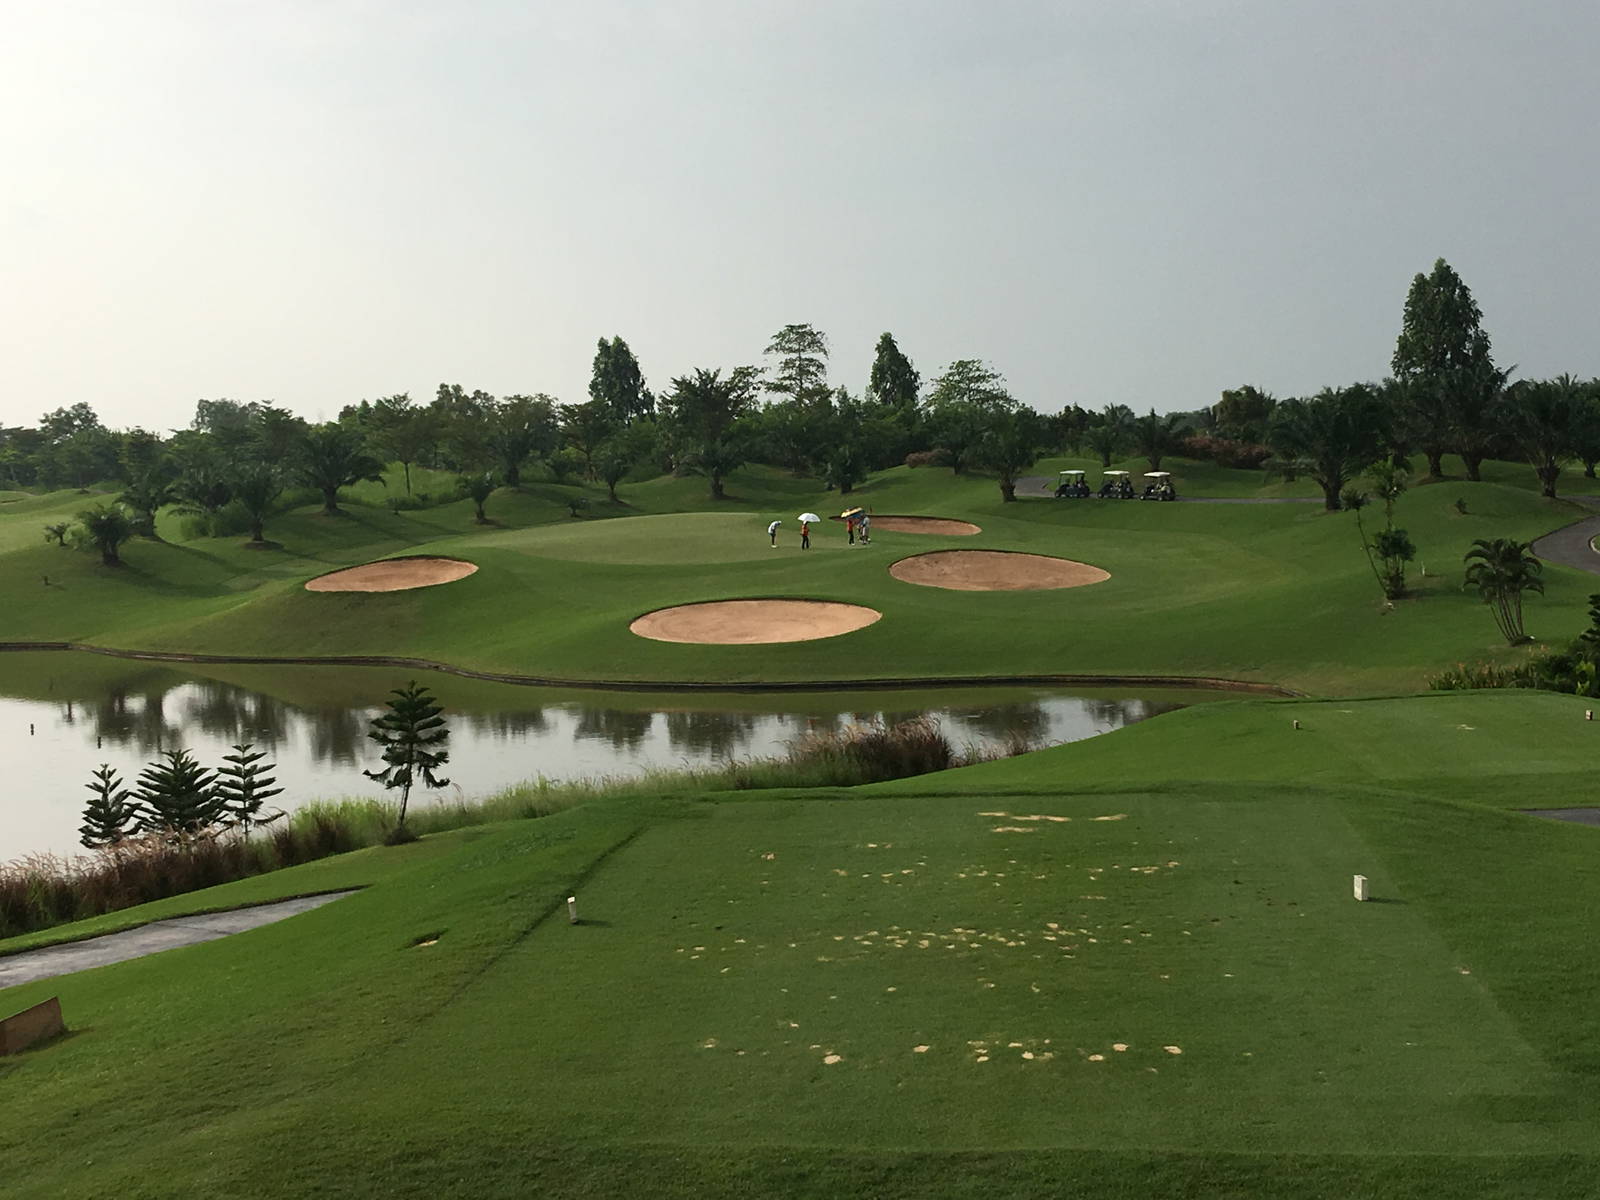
742,1011
1276,593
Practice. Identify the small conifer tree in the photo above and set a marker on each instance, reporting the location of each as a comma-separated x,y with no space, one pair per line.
179,795
412,734
111,814
244,783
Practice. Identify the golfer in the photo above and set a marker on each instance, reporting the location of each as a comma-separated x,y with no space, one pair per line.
866,529
805,535
772,532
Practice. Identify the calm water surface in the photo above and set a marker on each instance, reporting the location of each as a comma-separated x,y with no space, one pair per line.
62,714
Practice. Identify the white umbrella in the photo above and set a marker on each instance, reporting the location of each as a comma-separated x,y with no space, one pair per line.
810,517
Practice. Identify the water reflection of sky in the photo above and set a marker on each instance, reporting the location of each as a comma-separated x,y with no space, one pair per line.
321,750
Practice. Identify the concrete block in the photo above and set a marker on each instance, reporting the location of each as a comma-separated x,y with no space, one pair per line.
31,1025
1361,887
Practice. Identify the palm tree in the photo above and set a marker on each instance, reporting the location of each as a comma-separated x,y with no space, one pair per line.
477,488
1335,434
1501,570
1546,419
331,457
143,497
107,527
1154,436
256,490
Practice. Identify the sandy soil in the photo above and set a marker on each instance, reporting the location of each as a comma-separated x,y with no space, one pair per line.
393,575
753,622
994,571
939,525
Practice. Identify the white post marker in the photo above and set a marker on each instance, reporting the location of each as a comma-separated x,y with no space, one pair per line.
1588,715
1361,887
572,910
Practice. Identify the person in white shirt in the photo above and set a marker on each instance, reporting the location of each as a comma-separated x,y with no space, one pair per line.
772,532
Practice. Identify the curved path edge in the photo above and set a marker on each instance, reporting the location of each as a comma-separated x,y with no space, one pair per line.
1199,682
1572,545
66,958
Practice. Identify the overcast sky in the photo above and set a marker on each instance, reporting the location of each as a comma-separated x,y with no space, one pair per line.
1139,201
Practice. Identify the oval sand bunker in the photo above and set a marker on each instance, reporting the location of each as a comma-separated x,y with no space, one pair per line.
994,571
393,575
753,622
940,525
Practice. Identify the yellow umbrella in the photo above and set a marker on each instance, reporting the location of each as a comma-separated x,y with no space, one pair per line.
851,512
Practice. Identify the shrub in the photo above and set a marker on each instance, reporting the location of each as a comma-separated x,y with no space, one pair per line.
928,458
1225,452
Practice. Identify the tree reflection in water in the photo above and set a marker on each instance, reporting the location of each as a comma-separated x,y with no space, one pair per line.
624,729
505,725
718,734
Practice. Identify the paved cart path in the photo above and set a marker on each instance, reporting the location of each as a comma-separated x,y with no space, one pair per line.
50,961
1570,546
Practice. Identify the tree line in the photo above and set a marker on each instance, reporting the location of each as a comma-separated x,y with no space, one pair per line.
230,469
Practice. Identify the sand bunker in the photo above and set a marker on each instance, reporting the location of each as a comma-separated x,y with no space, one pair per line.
994,571
939,525
753,622
393,575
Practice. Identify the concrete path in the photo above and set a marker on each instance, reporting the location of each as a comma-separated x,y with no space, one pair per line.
1570,546
1580,816
50,961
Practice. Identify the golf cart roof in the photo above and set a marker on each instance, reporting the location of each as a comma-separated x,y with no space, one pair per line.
1113,472
1157,474
1072,472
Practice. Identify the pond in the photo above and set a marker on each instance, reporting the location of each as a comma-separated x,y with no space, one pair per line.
62,714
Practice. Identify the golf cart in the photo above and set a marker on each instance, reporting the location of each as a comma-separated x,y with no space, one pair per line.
1116,486
1160,486
1072,486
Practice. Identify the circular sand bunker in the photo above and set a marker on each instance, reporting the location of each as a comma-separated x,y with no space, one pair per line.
753,622
393,575
994,571
944,526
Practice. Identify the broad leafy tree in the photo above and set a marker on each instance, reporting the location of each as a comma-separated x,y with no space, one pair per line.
960,406
587,427
333,456
1332,436
1502,570
412,734
1243,413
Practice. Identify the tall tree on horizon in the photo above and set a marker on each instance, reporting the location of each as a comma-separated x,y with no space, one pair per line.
1442,360
894,381
617,382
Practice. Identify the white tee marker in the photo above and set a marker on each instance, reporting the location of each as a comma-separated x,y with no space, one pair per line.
572,910
1360,887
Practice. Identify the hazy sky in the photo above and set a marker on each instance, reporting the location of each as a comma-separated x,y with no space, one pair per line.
1142,201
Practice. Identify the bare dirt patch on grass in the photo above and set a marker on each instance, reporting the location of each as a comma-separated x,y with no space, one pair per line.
393,575
995,571
945,526
753,622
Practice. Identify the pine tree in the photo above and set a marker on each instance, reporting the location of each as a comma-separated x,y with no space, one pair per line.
244,783
179,795
110,816
412,734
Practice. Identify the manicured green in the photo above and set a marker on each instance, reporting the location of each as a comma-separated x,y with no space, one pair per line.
1269,593
1440,1041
